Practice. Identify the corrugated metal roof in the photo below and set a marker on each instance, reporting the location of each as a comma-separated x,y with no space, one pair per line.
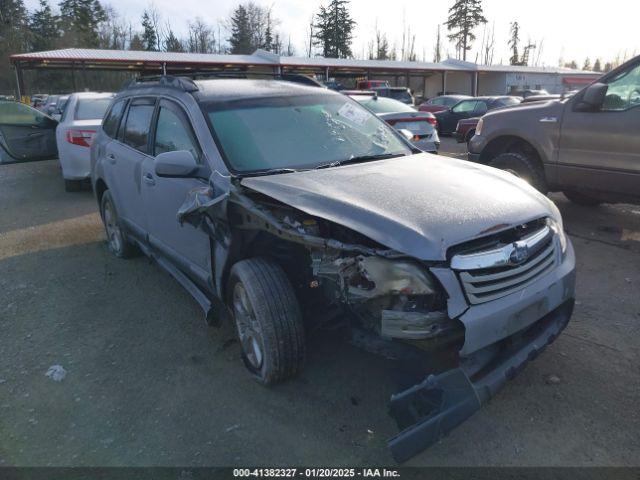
261,57
87,55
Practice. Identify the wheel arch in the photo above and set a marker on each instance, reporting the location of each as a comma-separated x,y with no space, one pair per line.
512,144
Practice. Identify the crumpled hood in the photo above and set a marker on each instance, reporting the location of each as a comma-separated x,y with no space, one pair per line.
419,205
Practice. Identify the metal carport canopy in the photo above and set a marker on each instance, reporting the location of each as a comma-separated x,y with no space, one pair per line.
178,62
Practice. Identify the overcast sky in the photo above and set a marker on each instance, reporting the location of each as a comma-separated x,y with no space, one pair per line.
569,29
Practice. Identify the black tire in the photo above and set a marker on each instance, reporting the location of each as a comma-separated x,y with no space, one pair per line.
522,166
72,185
117,240
469,136
266,312
582,199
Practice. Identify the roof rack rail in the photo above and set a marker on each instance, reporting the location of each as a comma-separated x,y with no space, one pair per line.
180,82
185,81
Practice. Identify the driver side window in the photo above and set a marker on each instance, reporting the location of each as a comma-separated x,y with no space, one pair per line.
624,91
465,106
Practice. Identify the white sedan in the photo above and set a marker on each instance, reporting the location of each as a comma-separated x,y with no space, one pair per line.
80,121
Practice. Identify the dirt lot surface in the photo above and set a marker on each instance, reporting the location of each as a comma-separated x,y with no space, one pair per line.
148,383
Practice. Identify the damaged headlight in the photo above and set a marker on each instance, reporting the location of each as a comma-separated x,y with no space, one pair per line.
558,229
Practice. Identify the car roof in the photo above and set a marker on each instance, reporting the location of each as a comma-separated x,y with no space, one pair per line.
227,89
220,89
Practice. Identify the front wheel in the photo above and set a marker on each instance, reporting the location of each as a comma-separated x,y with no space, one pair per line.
268,320
522,166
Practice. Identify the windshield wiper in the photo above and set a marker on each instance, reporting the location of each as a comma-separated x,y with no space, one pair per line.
273,171
360,158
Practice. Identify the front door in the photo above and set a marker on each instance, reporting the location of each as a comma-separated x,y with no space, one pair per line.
25,134
186,246
600,149
449,119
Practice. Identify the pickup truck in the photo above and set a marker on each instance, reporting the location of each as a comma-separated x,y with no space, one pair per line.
587,146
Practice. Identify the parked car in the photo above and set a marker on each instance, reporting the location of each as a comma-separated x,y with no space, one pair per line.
25,134
422,125
586,146
81,119
401,94
369,84
38,100
60,105
334,85
469,108
441,103
49,105
266,199
466,129
528,93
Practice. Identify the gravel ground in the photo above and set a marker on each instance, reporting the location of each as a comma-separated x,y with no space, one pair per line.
148,383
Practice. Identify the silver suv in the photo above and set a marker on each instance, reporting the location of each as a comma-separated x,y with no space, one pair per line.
276,204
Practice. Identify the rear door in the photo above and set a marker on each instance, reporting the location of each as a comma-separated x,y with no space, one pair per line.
123,167
600,150
186,246
25,134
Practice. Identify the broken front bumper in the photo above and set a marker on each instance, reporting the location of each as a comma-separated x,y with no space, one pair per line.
429,410
500,338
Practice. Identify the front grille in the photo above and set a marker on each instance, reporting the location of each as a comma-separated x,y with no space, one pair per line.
484,283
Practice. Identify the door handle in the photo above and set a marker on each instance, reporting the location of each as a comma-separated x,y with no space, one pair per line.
148,179
112,158
549,120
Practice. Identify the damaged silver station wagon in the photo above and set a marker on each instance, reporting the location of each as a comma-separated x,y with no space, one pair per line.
279,206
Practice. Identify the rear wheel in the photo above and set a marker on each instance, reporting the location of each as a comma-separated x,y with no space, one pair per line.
522,166
72,185
582,199
268,320
117,240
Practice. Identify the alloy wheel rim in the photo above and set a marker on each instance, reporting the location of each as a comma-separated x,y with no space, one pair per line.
248,327
114,236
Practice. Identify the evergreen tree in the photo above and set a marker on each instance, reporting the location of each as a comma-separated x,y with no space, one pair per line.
240,40
334,29
136,42
268,43
608,67
172,44
513,44
43,28
597,66
437,50
464,16
148,32
13,38
80,20
587,64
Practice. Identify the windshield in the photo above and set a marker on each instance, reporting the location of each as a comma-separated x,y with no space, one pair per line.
402,95
92,108
383,105
298,132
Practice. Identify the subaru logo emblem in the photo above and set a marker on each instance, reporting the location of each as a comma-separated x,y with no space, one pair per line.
519,254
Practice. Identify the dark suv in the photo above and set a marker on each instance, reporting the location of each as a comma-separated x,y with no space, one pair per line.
282,207
587,146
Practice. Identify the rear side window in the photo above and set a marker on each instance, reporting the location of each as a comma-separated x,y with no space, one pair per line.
136,129
91,108
110,124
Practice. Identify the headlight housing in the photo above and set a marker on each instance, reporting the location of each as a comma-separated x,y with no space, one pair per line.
479,127
556,225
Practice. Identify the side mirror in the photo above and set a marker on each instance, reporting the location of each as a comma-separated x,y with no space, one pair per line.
180,163
406,134
593,97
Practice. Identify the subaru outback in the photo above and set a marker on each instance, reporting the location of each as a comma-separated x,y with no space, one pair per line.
269,200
